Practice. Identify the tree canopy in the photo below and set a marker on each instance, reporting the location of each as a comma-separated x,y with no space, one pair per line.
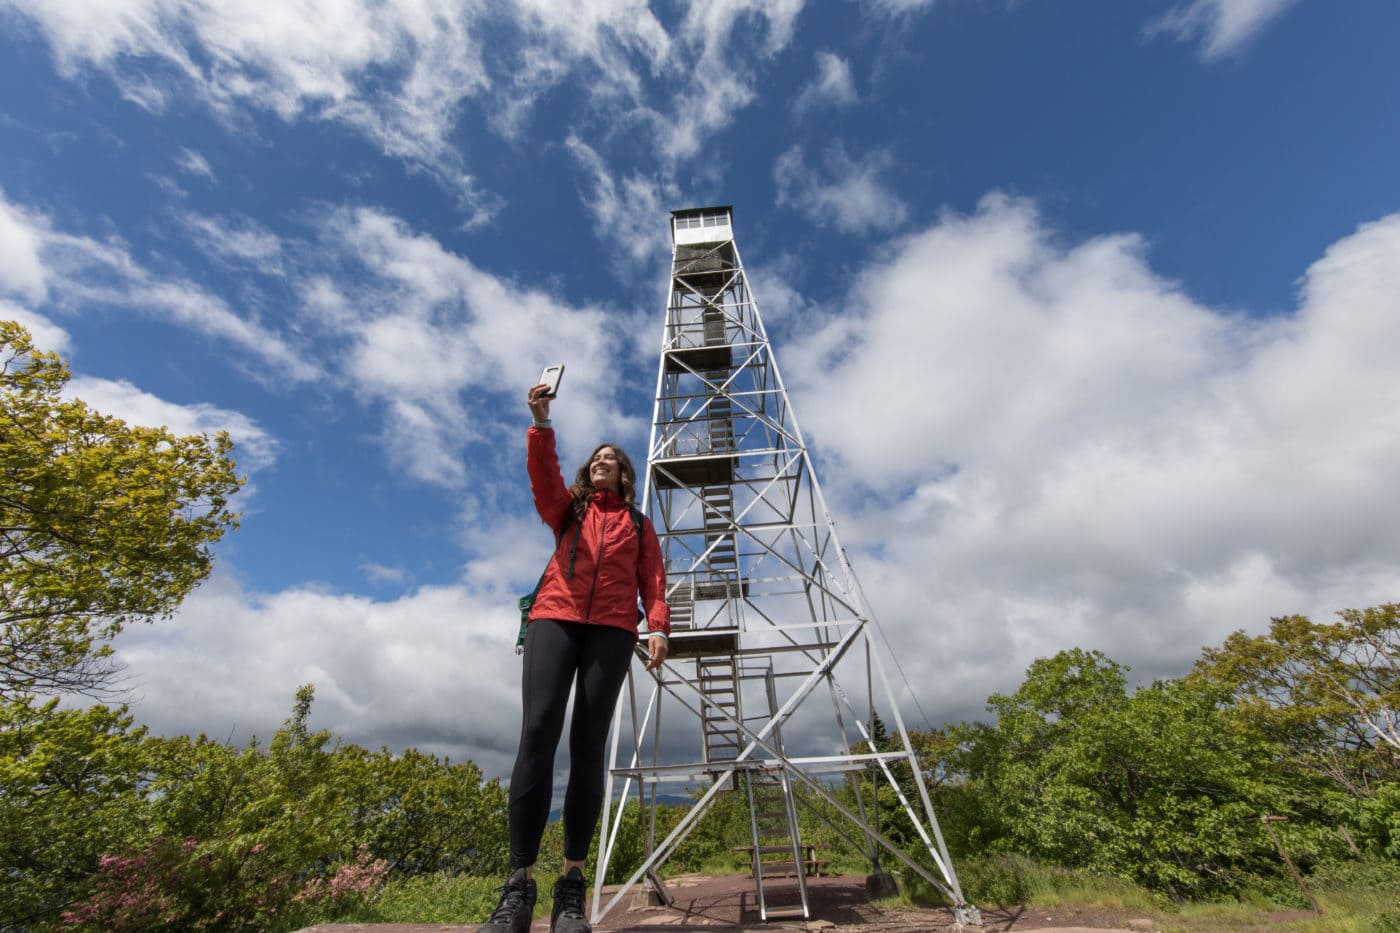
102,523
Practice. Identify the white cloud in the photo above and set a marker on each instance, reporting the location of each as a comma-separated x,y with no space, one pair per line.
832,87
241,239
1037,445
255,449
1222,26
434,669
627,210
601,39
192,162
77,273
22,272
394,71
380,574
47,336
401,72
899,7
441,344
849,195
716,55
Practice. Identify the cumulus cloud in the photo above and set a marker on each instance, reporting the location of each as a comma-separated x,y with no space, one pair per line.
845,194
1039,444
47,336
1223,27
22,271
432,669
255,449
832,87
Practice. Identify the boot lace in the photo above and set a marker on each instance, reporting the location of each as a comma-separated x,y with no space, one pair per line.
568,898
512,902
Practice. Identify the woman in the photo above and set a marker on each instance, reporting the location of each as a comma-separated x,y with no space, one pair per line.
580,634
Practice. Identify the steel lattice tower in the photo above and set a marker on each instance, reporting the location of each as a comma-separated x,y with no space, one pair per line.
767,615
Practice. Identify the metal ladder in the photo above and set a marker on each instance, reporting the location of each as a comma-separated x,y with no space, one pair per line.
718,680
776,836
777,846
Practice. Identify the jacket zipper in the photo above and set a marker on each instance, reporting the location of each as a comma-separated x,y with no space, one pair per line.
597,561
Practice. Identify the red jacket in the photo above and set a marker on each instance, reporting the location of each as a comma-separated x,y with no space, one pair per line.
611,566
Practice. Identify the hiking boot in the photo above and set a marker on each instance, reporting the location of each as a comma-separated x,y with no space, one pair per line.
568,916
517,906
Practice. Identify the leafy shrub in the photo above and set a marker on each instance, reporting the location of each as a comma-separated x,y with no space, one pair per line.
184,885
352,884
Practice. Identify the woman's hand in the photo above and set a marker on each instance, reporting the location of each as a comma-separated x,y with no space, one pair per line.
657,649
539,402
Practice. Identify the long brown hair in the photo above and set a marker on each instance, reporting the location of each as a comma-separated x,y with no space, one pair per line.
583,488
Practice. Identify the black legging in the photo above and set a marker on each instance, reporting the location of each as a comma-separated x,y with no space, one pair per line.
558,654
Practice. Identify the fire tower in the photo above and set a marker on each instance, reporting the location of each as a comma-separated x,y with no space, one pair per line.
768,619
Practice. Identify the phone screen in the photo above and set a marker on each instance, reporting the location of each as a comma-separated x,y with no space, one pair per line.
551,377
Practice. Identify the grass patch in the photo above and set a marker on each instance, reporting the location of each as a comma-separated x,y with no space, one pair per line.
428,899
1013,880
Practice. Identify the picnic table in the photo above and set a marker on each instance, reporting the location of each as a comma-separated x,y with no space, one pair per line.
812,866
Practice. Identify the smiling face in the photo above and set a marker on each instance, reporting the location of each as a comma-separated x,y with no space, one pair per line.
604,471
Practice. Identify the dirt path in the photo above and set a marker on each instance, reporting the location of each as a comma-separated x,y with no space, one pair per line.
710,904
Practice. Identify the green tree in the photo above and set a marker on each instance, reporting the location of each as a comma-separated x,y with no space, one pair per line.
1162,786
423,814
102,524
1329,692
1328,696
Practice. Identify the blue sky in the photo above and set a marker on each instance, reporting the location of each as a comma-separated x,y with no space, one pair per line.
1087,309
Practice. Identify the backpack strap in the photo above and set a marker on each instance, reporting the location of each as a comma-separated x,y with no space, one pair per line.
569,516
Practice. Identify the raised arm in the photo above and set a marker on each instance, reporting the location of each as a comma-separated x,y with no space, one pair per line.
551,495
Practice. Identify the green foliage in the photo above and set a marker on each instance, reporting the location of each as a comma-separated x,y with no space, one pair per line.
102,524
70,785
1159,787
425,815
711,842
117,829
1328,696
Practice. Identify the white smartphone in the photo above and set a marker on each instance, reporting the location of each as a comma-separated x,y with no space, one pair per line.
551,377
